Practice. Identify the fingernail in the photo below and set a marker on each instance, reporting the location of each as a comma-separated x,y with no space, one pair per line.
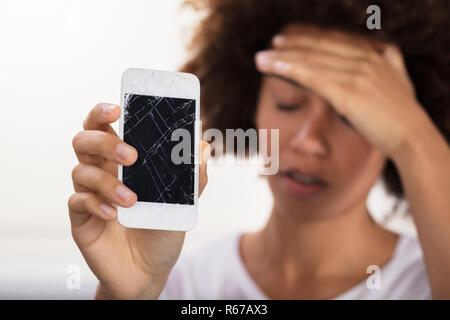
123,151
281,66
123,192
264,59
107,210
278,39
107,108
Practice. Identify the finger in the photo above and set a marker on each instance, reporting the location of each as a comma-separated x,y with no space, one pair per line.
333,42
395,58
203,174
84,204
318,58
91,144
104,184
101,116
323,81
288,64
205,150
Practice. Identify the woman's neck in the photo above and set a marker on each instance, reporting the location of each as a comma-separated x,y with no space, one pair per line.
342,245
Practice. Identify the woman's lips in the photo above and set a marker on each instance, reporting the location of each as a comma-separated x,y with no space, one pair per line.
303,184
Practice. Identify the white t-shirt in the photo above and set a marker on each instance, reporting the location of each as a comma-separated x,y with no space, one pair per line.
217,272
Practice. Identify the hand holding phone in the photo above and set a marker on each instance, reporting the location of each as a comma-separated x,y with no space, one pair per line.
129,262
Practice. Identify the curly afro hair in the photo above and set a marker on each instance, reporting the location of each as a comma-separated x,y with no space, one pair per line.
232,31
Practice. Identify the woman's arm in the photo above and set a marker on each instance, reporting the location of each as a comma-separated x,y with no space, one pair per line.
423,163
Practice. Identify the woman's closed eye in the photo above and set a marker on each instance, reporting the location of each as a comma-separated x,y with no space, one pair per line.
287,107
290,107
345,121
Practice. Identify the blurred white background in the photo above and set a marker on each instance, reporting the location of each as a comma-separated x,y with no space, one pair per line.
57,60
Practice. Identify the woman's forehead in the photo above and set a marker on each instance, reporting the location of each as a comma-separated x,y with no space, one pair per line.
280,81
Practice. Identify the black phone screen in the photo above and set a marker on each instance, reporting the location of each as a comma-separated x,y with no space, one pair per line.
149,122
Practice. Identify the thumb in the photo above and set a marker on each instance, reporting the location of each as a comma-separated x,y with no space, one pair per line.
395,58
203,174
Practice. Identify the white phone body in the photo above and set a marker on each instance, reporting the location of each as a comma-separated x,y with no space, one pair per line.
159,214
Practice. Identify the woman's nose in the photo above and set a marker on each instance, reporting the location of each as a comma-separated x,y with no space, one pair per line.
310,137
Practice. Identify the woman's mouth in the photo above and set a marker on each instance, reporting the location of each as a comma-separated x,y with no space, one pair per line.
303,184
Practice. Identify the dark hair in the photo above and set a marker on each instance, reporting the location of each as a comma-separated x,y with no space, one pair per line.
232,31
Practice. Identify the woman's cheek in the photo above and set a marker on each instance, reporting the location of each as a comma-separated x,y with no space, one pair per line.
268,121
357,165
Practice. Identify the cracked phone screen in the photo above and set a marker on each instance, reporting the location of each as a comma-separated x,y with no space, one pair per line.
148,125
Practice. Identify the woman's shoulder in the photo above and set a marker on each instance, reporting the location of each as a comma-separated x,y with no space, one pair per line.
403,277
408,257
406,275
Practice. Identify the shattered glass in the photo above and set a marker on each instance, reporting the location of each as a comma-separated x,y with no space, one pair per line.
149,122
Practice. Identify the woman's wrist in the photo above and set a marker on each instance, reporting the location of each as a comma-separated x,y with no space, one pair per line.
151,291
421,139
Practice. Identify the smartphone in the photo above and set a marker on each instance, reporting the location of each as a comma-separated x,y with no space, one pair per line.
160,118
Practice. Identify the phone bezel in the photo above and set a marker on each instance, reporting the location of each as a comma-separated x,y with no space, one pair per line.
152,215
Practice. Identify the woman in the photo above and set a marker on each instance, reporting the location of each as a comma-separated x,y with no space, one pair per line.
351,104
